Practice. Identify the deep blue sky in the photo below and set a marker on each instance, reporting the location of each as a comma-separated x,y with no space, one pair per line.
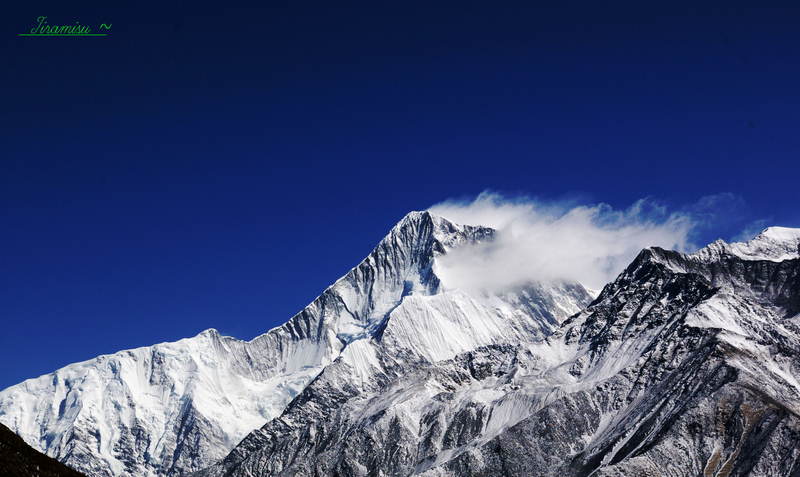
216,165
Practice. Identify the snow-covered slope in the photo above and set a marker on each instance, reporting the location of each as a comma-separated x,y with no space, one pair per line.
18,459
178,407
152,410
685,365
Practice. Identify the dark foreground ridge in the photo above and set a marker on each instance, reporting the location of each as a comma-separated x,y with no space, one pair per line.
18,459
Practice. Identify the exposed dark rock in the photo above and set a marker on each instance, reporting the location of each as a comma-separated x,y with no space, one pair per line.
18,459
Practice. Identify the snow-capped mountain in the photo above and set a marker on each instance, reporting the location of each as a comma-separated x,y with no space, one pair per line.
684,365
179,407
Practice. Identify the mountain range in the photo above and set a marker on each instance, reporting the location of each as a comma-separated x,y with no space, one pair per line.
684,365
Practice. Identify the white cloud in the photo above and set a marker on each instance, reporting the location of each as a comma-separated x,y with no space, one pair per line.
539,240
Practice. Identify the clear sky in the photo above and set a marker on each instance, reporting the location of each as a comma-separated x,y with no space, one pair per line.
219,164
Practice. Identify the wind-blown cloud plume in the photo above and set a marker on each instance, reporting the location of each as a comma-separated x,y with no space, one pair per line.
539,240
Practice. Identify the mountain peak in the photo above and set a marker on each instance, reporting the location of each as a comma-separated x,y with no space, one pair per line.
424,225
175,408
416,216
774,244
678,343
781,234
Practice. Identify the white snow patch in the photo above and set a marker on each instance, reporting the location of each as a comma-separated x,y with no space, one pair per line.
782,234
715,313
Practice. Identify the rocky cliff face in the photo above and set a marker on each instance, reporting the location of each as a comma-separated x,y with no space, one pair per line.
179,407
685,365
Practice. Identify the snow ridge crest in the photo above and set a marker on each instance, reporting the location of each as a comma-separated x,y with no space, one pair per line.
774,243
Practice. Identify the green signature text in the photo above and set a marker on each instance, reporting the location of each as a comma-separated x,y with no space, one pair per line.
43,29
